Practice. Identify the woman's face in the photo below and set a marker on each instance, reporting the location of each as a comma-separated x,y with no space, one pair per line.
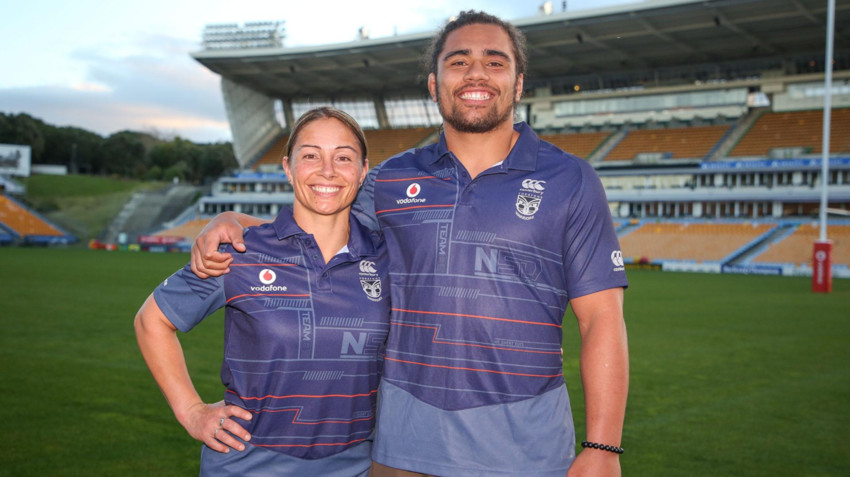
326,167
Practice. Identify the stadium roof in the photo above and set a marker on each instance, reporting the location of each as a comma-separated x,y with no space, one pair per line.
649,36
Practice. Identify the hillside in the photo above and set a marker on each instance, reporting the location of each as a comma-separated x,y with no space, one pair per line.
83,205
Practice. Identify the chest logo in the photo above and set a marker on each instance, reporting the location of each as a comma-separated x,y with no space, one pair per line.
370,281
267,276
413,190
529,197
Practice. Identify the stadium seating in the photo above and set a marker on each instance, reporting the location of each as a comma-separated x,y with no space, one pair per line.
802,129
677,143
273,155
385,143
702,242
797,248
579,144
26,224
188,230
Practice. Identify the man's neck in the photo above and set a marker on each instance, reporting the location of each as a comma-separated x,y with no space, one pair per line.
480,151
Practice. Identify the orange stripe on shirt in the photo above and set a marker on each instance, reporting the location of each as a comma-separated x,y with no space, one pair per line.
311,396
481,317
474,369
435,340
310,445
269,294
412,179
414,207
263,264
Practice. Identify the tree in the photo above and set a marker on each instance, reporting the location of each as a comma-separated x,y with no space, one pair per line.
24,130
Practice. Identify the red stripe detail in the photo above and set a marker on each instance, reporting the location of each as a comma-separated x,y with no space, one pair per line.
413,207
263,265
311,396
435,340
481,317
474,369
268,294
412,179
310,445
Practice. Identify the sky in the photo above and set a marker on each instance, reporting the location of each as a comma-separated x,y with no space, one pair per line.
112,66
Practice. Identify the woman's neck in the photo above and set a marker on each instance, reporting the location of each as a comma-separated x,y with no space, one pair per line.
331,232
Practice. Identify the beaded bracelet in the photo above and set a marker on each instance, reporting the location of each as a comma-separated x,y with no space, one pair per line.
593,445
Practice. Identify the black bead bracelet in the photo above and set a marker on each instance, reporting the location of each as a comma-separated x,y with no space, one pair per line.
593,445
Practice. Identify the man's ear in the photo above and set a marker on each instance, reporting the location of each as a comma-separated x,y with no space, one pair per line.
518,92
432,86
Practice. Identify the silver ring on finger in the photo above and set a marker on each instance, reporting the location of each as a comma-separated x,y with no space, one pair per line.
216,432
221,422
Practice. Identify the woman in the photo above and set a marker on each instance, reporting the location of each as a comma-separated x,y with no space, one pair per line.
305,323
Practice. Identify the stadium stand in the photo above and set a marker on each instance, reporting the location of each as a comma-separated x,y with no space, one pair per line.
797,247
708,158
796,129
273,155
673,143
579,144
28,226
698,241
187,231
385,143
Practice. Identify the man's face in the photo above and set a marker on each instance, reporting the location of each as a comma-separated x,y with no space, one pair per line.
476,86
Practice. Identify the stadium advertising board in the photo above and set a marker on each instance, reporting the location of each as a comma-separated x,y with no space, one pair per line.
15,160
773,163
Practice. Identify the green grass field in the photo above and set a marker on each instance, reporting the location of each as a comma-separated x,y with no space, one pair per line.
730,375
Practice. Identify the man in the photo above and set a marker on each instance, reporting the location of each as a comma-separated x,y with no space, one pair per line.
491,233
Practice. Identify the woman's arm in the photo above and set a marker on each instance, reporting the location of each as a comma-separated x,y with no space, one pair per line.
157,338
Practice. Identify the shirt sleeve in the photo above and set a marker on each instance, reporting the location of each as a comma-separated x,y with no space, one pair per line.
364,206
593,259
186,299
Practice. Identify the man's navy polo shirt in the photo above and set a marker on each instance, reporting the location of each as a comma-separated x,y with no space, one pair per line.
482,272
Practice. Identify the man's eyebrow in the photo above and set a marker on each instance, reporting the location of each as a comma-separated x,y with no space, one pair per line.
466,52
456,53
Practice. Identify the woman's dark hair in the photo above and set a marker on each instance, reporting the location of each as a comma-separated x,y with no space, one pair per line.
326,112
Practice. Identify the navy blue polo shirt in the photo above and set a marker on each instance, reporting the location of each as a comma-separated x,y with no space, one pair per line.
482,271
303,339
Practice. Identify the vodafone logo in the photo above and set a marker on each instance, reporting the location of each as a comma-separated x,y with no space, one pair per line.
617,258
267,276
532,184
820,256
413,190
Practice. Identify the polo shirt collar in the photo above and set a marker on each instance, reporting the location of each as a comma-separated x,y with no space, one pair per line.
360,242
523,156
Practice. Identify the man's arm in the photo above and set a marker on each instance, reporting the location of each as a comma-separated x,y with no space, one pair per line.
225,227
605,378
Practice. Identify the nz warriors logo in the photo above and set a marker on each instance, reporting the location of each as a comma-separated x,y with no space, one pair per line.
528,199
370,281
